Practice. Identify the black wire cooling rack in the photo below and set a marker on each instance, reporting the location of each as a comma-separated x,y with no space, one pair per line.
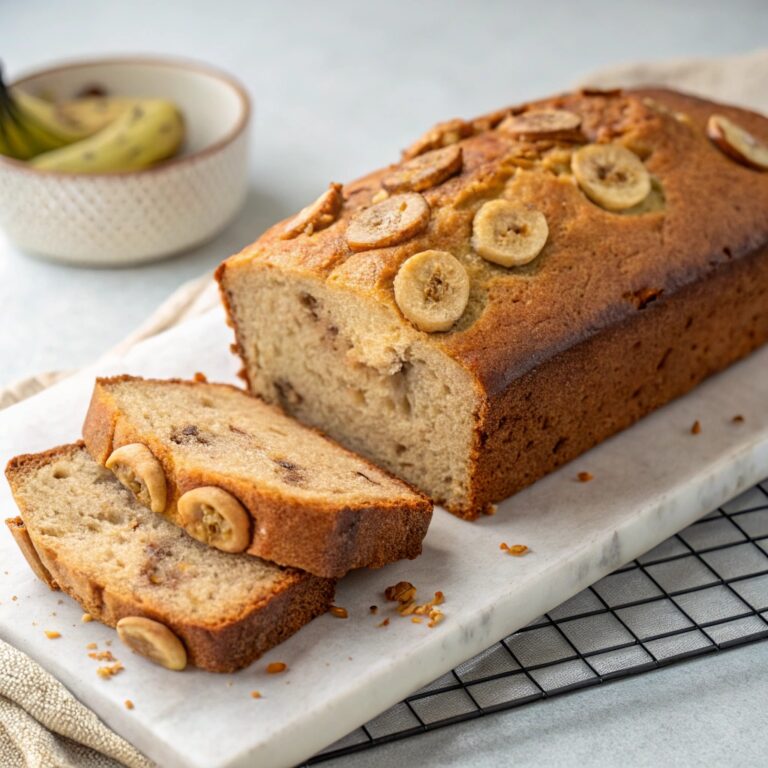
702,590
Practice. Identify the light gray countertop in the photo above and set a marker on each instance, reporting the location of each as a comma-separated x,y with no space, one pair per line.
339,88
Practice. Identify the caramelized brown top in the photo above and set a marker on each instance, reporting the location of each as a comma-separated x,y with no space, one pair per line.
597,267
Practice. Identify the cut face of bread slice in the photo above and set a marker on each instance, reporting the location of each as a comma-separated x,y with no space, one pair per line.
243,476
119,560
351,367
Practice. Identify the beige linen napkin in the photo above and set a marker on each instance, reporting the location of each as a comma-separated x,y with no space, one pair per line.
41,724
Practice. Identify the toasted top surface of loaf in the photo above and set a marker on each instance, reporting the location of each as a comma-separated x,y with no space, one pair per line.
75,508
597,267
220,429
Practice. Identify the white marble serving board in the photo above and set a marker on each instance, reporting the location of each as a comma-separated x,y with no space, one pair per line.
649,482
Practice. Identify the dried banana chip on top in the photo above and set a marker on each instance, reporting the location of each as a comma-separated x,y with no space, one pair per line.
425,171
508,233
543,124
737,143
318,215
389,222
432,290
611,176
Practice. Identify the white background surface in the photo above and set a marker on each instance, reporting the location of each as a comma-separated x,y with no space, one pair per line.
340,88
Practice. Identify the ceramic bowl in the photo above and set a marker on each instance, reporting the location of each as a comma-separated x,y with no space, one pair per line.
120,218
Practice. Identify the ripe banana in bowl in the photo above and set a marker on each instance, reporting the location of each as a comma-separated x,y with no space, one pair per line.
95,134
30,126
74,119
150,131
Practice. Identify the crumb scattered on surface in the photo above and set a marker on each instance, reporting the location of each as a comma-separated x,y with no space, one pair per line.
86,617
128,704
255,695
374,609
14,598
102,656
405,594
402,592
92,646
200,377
696,427
52,634
59,602
738,419
108,643
110,671
384,623
338,612
435,617
275,667
491,510
516,550
585,477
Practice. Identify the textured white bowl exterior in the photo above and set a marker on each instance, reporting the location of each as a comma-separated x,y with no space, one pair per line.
123,218
120,219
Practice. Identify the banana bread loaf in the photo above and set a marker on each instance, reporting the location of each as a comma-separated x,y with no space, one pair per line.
172,598
519,288
241,476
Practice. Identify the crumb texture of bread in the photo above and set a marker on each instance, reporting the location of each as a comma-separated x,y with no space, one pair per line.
314,505
620,312
118,559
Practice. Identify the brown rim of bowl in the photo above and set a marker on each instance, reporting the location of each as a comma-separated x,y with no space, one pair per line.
164,61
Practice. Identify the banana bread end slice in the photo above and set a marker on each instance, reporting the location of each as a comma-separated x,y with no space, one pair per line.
118,559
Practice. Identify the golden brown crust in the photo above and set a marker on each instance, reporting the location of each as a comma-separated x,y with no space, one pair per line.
578,285
227,647
327,539
558,411
600,273
24,542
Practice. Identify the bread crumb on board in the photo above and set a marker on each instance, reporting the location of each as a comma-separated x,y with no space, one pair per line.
738,419
404,593
276,667
374,609
585,477
101,656
384,623
200,377
338,612
696,427
52,634
92,646
255,694
86,617
110,670
516,550
128,704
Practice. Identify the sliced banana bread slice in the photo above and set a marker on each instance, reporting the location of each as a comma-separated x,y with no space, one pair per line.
242,476
171,597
